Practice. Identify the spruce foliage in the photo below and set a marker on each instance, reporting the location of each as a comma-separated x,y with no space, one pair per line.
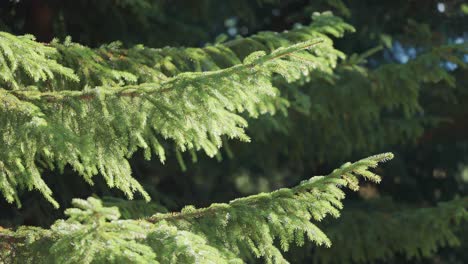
257,226
96,129
305,99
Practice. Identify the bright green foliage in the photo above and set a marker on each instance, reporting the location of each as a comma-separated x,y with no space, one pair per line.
258,226
24,61
94,109
96,129
111,65
380,234
133,208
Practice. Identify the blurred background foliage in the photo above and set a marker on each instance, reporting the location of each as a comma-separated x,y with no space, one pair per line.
403,88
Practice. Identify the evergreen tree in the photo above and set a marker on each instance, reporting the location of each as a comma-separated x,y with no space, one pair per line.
118,121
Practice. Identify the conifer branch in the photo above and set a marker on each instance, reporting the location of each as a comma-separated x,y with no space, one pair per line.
94,232
64,105
252,201
22,58
111,65
166,86
136,115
